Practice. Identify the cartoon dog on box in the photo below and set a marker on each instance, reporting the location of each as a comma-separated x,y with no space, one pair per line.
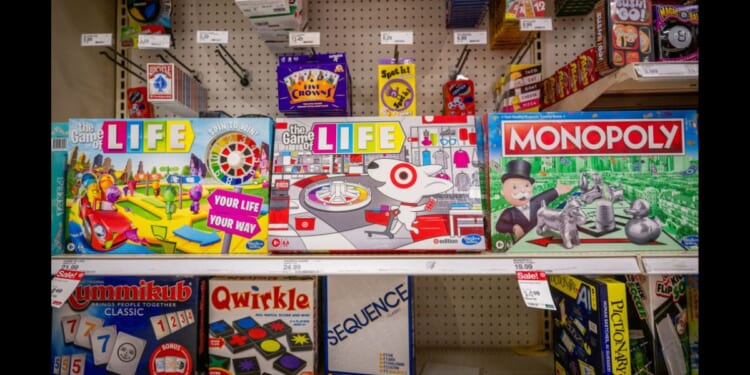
409,184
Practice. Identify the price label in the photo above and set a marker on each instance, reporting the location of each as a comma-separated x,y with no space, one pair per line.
523,264
396,37
146,41
470,37
96,40
535,289
63,285
212,37
263,8
304,39
293,267
536,24
665,70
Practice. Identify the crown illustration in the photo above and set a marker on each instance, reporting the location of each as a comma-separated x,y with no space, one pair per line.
317,85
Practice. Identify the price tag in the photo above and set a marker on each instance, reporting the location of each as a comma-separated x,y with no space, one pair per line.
523,264
665,70
146,41
470,37
263,8
96,40
212,37
63,285
535,289
295,267
536,24
396,37
304,39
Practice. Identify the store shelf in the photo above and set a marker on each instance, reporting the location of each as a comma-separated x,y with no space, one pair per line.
489,361
426,265
673,80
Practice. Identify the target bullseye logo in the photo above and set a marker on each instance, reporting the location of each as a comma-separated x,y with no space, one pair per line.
403,175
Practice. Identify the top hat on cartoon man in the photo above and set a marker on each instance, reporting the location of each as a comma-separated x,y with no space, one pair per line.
518,169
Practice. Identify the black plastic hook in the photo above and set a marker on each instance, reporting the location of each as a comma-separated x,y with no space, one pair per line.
244,77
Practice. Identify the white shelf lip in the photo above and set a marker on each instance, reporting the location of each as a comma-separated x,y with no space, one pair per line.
635,78
421,264
670,265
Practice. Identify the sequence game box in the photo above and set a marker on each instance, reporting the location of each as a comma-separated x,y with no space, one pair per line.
376,184
591,332
593,181
130,325
369,325
262,326
144,186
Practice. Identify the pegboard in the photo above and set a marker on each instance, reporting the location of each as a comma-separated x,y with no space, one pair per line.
473,312
352,27
571,36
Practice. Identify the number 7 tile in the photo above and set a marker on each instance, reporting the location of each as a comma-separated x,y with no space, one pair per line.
102,343
87,324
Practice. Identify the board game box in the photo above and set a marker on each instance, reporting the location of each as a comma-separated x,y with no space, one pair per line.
369,325
592,181
590,332
262,325
130,325
347,184
171,186
59,155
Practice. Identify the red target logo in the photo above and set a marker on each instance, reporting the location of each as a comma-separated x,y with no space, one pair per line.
403,175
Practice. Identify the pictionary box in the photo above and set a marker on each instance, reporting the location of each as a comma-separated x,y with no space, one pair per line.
262,326
590,332
131,325
368,325
593,181
145,186
396,184
59,155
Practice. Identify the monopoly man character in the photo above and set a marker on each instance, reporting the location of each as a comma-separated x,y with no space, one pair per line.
517,188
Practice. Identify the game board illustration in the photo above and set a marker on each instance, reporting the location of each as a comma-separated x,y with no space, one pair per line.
593,181
374,184
168,185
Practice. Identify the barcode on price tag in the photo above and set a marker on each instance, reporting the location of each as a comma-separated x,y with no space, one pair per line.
396,37
212,37
536,24
304,39
470,37
63,285
96,40
153,41
535,289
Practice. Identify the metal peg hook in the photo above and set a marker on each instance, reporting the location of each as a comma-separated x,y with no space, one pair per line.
244,76
121,64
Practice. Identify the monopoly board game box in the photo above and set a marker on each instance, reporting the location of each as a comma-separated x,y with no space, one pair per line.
262,325
591,332
593,181
369,325
130,325
168,185
346,184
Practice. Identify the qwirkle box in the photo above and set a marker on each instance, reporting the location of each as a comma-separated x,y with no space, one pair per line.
168,185
59,155
376,184
593,181
369,325
262,325
130,325
590,333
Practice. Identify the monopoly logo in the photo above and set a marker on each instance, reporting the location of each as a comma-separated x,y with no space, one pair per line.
276,298
615,137
147,136
143,291
357,138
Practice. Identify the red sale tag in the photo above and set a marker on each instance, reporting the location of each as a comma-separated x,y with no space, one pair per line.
535,289
63,285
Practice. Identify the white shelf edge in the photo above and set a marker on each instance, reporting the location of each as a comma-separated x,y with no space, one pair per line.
626,81
418,264
654,265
